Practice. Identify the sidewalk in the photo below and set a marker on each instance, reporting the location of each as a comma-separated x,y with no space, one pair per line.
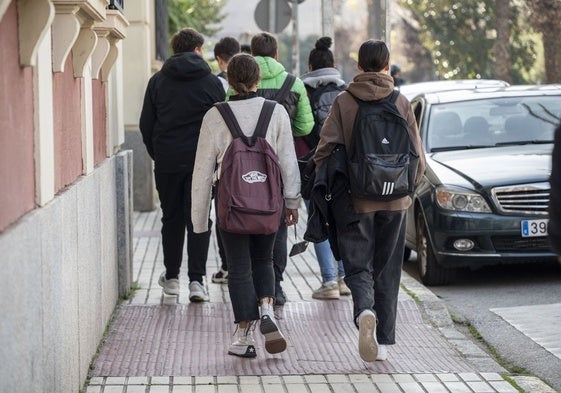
159,343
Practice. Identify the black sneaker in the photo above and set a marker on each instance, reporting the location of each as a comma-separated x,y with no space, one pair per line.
220,277
280,297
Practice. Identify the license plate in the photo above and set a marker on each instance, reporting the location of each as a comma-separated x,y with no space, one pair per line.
533,228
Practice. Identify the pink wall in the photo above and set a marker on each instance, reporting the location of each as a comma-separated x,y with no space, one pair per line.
17,167
99,120
67,120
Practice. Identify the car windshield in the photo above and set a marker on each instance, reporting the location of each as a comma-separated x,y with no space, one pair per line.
492,122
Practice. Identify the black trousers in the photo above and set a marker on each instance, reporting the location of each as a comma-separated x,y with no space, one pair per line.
372,253
174,190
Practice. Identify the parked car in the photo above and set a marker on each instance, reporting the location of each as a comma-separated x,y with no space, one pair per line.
484,196
413,89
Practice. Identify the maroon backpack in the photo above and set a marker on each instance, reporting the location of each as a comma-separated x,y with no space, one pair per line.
250,190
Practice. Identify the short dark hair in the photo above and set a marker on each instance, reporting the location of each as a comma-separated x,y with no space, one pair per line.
243,73
245,48
226,48
373,56
186,40
321,56
264,44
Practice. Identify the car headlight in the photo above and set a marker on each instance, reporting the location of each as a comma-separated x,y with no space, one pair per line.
458,199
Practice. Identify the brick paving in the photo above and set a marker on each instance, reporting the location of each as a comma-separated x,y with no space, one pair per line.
158,343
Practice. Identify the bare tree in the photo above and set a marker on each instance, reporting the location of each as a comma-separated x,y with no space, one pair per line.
501,49
544,15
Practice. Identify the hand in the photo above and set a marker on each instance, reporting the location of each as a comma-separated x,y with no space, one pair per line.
291,217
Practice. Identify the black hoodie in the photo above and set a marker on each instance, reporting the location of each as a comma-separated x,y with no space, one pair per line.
176,99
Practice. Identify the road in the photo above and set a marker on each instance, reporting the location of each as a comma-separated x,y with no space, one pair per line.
496,299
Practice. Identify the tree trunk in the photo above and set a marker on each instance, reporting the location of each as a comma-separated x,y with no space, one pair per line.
501,48
545,16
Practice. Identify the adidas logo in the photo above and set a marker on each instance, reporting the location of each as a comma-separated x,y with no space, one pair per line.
388,187
385,141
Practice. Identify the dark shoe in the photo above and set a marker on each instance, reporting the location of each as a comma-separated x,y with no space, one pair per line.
220,277
280,297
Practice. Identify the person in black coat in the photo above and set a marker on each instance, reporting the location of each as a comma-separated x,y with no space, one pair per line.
554,227
176,99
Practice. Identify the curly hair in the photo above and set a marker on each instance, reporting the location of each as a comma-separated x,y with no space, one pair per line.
186,40
243,73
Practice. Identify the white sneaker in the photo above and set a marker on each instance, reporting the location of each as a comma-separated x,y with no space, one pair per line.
274,340
171,286
197,292
244,345
367,342
382,352
220,277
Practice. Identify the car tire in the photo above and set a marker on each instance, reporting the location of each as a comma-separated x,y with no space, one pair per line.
430,272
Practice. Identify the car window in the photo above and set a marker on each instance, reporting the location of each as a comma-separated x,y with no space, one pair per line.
491,122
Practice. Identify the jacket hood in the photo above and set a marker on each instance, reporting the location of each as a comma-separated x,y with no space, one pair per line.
322,76
369,86
186,66
270,68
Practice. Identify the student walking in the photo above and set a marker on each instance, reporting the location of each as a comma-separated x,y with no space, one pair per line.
264,48
323,83
176,99
251,280
224,49
372,249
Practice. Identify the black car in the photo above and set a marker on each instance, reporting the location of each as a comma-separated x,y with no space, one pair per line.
484,196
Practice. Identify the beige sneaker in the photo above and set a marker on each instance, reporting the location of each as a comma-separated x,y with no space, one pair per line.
343,288
329,291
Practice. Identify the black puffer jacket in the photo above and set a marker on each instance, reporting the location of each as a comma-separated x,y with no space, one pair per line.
554,227
176,99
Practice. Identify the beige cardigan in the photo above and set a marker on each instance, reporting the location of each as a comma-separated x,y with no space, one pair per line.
215,138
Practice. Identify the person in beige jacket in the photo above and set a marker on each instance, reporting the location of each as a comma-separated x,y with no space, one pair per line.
372,251
251,280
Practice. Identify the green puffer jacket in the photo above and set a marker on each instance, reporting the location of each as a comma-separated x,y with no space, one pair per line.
297,103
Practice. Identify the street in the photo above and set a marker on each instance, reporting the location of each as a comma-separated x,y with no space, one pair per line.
496,299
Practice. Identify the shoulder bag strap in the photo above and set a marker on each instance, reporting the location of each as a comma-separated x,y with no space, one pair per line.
264,118
232,122
281,95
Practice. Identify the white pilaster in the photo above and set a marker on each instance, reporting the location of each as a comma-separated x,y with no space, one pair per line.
87,123
44,129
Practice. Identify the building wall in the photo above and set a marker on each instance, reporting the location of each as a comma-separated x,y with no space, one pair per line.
17,187
65,189
67,105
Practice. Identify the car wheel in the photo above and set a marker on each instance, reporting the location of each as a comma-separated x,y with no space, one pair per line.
406,254
430,271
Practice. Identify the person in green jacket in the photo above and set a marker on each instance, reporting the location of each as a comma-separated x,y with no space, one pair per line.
264,48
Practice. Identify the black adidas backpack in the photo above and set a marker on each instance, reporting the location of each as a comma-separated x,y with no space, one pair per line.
382,160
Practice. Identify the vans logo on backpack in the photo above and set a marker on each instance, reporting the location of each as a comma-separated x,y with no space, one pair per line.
249,198
254,177
385,141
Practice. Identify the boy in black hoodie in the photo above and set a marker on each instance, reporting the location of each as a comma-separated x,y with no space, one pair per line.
176,99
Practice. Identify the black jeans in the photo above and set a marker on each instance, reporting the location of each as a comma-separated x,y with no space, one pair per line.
250,272
372,253
174,190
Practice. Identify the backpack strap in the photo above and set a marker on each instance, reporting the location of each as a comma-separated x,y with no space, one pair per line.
281,95
264,118
234,126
